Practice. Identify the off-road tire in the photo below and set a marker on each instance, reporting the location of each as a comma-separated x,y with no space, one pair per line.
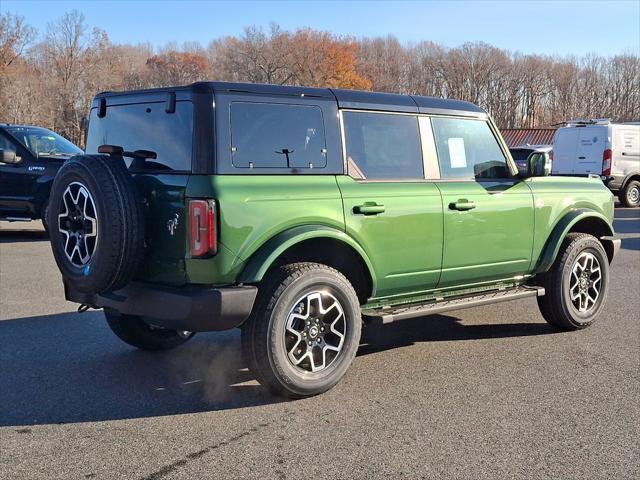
556,306
141,333
630,195
120,223
262,334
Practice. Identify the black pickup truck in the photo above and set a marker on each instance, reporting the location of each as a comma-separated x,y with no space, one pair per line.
29,160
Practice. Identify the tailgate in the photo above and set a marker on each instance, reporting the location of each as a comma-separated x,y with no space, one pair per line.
165,228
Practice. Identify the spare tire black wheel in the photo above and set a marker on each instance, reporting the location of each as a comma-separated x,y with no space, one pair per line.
96,223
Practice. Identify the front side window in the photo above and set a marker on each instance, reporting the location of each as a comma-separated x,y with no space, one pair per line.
274,135
146,126
6,144
383,146
467,149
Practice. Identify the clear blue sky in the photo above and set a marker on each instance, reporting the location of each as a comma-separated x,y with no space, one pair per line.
562,27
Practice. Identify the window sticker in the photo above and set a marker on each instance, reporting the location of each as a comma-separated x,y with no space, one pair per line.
457,155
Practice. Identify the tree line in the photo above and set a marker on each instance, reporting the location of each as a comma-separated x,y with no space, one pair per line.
49,78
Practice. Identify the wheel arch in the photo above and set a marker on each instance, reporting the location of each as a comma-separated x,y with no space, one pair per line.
581,220
315,243
630,177
42,192
622,191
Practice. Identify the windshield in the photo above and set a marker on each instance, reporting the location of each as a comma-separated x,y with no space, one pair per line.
41,141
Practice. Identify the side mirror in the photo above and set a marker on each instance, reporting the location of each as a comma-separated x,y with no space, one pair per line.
9,156
539,165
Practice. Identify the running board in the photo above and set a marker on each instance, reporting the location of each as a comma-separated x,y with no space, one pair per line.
402,312
17,219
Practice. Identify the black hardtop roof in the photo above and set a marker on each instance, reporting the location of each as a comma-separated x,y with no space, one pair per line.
356,99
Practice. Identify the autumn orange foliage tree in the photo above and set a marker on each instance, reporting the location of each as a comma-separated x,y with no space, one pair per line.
176,68
320,59
304,57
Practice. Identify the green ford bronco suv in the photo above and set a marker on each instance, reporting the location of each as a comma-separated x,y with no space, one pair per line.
298,213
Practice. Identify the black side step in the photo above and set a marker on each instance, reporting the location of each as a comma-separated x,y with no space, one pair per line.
401,312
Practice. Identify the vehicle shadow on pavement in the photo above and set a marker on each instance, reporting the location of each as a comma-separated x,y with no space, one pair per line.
71,368
439,328
16,236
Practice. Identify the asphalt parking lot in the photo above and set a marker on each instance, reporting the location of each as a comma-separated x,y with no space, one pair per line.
489,392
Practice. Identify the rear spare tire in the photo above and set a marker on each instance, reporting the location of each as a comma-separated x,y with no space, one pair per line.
96,223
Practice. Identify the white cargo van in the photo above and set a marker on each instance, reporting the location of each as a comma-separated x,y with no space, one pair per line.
611,150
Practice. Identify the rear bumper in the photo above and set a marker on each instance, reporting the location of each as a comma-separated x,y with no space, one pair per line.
193,308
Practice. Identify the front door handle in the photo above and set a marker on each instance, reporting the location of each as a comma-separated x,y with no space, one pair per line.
462,205
368,209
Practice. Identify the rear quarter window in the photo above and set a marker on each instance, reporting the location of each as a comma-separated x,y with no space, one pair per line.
146,126
272,135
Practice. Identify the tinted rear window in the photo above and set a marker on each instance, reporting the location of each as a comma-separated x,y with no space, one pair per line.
146,126
273,135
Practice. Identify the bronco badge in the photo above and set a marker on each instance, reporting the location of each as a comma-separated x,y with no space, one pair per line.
172,224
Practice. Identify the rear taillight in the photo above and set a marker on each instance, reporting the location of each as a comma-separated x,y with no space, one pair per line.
203,237
551,155
606,162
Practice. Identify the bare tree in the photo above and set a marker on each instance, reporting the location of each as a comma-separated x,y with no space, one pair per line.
255,56
387,63
52,82
15,35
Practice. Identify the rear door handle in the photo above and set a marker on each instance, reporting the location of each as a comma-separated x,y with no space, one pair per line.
368,209
582,158
462,205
